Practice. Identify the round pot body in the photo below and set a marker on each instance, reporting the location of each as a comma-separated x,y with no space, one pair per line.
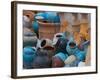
46,42
26,22
80,55
71,48
29,38
29,54
57,62
60,46
62,56
56,37
41,61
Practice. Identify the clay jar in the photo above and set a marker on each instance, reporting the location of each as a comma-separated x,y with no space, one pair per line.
71,47
49,25
29,54
29,38
60,46
58,59
57,36
41,60
46,42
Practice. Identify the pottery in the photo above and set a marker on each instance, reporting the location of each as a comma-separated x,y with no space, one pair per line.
29,38
41,60
57,36
45,43
81,64
29,14
80,55
71,47
26,22
35,27
70,59
57,62
84,45
47,24
62,56
60,45
29,54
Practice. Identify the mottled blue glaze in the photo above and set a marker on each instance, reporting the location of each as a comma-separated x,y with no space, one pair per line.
35,26
69,49
52,17
28,57
62,56
80,55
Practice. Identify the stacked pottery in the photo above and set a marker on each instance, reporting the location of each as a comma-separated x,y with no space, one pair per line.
29,54
58,59
42,60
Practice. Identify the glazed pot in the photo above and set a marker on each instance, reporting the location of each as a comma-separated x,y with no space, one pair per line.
45,43
62,56
29,38
71,48
29,14
70,59
41,60
46,24
57,62
60,45
29,54
57,36
26,22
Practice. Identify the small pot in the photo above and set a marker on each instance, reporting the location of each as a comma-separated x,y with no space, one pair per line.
45,43
56,37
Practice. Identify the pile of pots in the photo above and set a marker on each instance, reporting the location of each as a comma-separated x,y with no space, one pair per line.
50,51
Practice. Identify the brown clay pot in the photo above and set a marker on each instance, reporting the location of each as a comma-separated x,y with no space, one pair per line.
47,30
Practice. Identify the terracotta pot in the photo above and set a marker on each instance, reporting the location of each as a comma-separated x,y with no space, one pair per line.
47,30
29,14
